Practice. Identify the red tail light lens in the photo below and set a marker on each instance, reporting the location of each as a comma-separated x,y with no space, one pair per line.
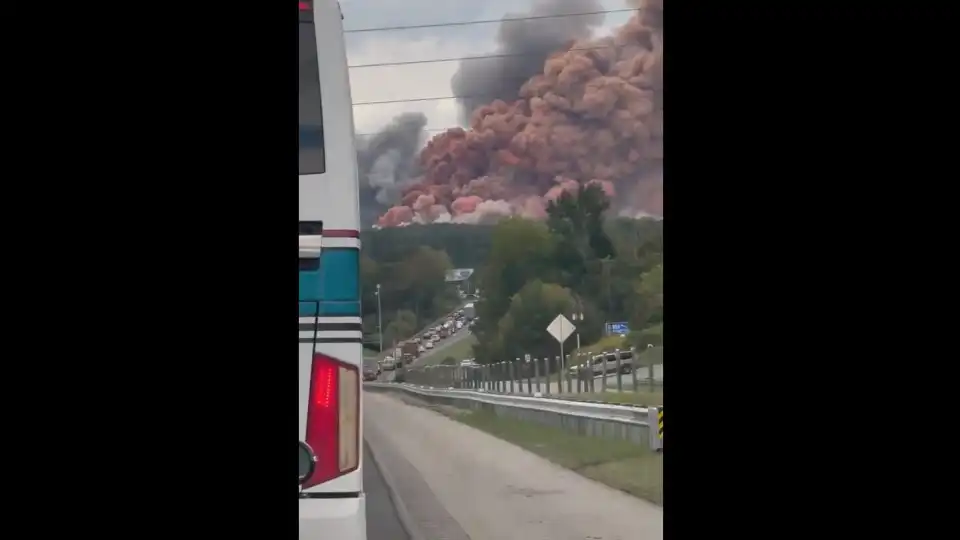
305,6
333,418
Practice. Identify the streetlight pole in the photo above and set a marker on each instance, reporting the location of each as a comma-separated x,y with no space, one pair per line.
379,320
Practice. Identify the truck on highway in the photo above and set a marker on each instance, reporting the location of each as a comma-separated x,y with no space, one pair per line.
409,351
469,311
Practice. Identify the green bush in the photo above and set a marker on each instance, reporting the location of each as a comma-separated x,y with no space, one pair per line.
449,361
642,339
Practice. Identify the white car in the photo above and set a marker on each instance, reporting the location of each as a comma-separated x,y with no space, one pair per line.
421,348
429,345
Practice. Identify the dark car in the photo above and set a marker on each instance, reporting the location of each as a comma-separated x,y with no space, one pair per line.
369,374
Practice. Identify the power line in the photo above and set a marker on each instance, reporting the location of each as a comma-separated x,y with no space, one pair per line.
413,100
481,57
425,130
487,21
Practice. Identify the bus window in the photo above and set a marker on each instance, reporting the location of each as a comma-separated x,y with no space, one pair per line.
310,137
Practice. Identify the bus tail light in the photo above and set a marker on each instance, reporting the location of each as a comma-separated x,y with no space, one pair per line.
333,419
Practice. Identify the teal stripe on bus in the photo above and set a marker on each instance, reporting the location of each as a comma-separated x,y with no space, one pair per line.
334,288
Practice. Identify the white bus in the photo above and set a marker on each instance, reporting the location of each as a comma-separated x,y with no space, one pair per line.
331,498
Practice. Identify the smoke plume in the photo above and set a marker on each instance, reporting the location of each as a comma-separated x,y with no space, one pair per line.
591,112
522,47
386,161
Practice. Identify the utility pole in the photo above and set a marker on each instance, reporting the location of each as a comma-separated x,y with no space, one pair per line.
379,319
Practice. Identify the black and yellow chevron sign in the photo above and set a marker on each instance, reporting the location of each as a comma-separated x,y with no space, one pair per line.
660,422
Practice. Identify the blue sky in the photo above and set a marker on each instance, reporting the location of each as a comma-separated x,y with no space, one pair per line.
430,79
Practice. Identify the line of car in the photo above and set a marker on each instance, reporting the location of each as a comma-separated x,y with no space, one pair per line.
426,341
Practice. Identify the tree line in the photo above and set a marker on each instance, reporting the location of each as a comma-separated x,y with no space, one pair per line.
578,261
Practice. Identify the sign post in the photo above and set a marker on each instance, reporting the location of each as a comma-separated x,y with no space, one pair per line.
560,329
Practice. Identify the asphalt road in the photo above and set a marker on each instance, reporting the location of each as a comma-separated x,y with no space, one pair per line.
439,346
459,483
382,520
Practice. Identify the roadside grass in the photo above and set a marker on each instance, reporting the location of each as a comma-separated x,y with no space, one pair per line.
652,398
621,465
606,343
460,350
387,350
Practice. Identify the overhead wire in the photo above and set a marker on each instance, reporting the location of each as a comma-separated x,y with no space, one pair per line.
465,58
485,21
477,57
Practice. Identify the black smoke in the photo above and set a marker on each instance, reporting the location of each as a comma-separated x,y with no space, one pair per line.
526,44
386,161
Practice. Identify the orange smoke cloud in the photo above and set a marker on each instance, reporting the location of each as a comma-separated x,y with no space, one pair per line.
593,116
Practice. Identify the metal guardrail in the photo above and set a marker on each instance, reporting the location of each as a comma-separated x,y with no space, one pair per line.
550,375
631,422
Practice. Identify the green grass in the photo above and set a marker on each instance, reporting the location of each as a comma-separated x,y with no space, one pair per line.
607,343
388,350
619,464
460,350
652,398
653,355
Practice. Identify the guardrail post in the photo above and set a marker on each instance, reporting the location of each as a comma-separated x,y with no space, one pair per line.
655,421
566,373
650,379
619,370
559,365
536,372
513,369
529,373
635,362
546,374
603,379
588,381
501,380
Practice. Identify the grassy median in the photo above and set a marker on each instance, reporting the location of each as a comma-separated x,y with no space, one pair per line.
619,464
460,350
650,398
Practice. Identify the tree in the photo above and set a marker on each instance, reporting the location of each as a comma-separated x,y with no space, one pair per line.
576,220
522,329
643,339
402,326
520,250
648,299
426,269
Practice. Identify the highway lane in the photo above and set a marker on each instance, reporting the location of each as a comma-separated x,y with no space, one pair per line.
382,520
459,483
439,346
